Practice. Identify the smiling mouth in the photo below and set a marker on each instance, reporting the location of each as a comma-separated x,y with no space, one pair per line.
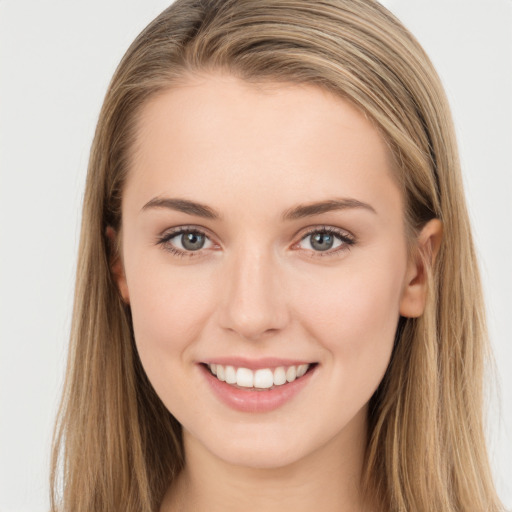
263,379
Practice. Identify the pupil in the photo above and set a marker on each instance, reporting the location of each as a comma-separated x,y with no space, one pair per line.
192,241
322,242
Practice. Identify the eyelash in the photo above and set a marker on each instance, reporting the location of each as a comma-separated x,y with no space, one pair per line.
346,239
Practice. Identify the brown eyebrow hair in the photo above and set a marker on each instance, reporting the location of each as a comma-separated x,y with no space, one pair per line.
298,212
183,205
306,210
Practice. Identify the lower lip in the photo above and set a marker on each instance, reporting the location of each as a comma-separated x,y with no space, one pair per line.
252,400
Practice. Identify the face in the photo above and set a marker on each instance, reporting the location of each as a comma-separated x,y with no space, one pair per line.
263,231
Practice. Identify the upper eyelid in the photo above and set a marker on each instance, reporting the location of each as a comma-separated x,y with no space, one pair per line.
330,229
171,233
206,231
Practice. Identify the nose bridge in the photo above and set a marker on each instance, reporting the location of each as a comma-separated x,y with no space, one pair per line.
253,302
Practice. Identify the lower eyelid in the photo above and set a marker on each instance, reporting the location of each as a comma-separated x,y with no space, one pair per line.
346,242
344,246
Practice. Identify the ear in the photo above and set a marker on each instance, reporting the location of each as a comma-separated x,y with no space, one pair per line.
116,264
414,294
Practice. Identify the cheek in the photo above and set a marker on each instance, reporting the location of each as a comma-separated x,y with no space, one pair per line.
168,311
354,314
167,307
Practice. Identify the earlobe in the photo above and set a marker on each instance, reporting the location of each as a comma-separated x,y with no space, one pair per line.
414,294
116,264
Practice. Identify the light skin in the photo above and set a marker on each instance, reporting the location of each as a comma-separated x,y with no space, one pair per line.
261,285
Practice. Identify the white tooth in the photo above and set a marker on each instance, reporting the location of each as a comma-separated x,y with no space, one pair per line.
263,378
302,369
279,376
220,373
230,374
245,378
291,373
213,368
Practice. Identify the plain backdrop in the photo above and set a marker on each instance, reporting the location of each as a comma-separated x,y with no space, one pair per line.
56,59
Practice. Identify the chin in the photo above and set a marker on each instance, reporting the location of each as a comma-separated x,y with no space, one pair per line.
259,457
263,446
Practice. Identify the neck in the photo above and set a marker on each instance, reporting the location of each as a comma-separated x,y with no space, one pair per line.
327,479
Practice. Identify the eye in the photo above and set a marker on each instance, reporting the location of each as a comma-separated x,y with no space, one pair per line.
190,241
326,240
185,241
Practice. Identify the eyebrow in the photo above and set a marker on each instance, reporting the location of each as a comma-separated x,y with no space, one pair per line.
308,210
183,205
298,212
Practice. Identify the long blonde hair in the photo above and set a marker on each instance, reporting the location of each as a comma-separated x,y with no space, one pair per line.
117,446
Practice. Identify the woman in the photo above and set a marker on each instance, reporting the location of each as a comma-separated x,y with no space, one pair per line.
277,303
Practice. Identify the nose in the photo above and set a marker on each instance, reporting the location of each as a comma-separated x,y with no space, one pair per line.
253,300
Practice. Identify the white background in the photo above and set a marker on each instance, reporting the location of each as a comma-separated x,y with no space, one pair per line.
56,59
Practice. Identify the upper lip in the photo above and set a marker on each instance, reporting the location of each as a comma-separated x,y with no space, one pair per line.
255,364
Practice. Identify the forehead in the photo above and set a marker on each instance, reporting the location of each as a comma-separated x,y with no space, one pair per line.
272,142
